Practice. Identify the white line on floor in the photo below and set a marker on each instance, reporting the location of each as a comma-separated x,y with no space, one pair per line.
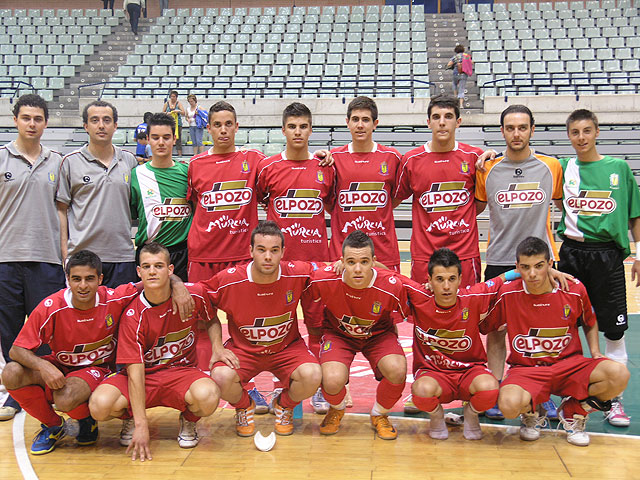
20,448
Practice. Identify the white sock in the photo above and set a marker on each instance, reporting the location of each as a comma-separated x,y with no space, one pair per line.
341,406
378,410
616,350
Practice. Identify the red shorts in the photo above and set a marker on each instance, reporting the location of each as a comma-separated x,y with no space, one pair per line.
92,374
163,388
568,377
339,348
455,384
282,364
201,271
471,268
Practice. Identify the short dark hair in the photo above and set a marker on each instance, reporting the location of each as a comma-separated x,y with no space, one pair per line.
161,119
173,92
296,109
443,257
146,116
358,239
141,136
531,246
459,49
99,103
516,109
155,248
268,228
84,258
444,101
31,100
222,106
582,114
363,103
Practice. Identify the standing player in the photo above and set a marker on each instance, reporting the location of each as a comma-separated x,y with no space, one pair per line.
546,354
158,349
94,197
601,202
296,190
358,319
518,188
159,195
30,264
264,331
80,324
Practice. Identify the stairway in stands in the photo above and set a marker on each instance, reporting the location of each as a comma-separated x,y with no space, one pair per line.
444,32
100,67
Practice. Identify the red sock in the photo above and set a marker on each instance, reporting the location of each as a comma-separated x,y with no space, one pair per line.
244,402
388,393
80,412
32,399
426,404
315,342
285,400
571,407
190,416
334,399
484,400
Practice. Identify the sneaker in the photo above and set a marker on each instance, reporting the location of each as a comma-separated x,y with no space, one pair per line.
284,419
383,427
530,426
616,415
437,426
494,413
410,407
318,402
188,435
7,413
126,432
276,393
471,429
331,421
550,408
244,420
262,406
87,431
46,439
575,429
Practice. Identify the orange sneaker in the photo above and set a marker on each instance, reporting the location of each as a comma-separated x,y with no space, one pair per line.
284,418
331,422
383,427
244,420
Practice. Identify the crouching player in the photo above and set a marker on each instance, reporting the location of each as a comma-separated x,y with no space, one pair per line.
546,352
79,324
158,349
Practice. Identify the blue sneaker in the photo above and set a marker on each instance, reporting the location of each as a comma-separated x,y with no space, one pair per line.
88,434
262,406
46,439
494,413
550,408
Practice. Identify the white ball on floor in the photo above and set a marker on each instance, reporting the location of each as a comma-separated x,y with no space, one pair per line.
263,443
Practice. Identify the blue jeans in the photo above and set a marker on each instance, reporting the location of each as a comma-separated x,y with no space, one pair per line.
196,136
459,82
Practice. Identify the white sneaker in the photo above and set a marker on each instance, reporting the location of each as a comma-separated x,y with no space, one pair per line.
318,402
575,429
616,415
471,429
530,426
437,426
126,433
7,413
275,394
188,435
410,407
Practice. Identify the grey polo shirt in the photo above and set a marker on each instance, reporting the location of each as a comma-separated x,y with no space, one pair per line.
29,226
98,199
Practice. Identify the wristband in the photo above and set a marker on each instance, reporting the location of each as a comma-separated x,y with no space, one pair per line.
637,251
511,275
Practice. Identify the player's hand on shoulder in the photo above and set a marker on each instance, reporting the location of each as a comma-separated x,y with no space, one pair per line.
226,356
561,279
326,159
139,446
482,159
182,302
338,267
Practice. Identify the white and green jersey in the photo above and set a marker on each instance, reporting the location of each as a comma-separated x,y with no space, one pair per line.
599,198
159,201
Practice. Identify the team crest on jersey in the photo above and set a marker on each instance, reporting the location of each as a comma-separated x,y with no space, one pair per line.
289,296
356,327
299,203
170,346
465,314
363,196
320,176
326,346
267,331
443,340
108,321
445,197
464,167
172,210
384,168
593,203
126,178
542,342
521,195
88,354
245,166
375,309
229,195
52,177
614,181
566,311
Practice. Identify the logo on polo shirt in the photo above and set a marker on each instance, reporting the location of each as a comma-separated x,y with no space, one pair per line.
363,196
86,179
445,197
355,326
443,340
542,342
267,331
170,346
8,176
227,196
592,203
52,177
172,210
299,203
521,195
88,354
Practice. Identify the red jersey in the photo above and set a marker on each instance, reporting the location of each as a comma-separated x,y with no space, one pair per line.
449,338
262,317
443,189
365,183
359,312
543,329
157,337
78,338
296,193
222,191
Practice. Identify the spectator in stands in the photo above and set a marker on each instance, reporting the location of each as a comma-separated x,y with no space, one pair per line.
132,9
164,4
196,131
459,77
108,4
174,107
142,128
142,155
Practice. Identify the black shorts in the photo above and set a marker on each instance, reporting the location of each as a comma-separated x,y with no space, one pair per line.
600,267
178,257
492,271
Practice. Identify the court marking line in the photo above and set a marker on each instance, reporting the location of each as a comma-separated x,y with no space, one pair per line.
20,449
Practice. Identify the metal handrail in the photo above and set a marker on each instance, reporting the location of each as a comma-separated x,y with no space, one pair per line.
17,88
